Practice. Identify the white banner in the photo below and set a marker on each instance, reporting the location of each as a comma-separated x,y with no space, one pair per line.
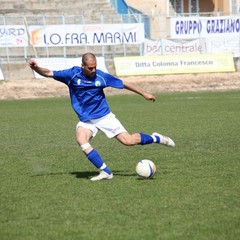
92,34
1,74
65,63
217,45
172,47
205,27
13,36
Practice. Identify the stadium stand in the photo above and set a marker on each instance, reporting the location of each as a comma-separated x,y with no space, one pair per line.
57,7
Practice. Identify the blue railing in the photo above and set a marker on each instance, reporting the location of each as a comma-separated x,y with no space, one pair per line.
120,6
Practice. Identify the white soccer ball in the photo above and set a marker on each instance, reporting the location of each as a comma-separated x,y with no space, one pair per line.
145,168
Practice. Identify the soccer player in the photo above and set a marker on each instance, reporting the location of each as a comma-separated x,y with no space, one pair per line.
86,85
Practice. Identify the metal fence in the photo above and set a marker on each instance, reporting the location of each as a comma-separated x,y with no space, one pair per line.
20,54
156,27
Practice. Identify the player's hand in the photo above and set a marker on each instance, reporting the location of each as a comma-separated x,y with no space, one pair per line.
32,64
149,96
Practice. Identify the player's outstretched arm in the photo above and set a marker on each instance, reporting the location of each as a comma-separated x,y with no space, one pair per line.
42,71
147,96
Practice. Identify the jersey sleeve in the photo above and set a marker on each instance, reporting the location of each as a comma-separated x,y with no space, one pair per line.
112,81
64,76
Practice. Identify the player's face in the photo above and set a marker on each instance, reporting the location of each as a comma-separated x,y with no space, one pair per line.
89,68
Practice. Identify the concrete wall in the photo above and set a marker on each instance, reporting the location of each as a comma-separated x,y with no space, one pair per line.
17,72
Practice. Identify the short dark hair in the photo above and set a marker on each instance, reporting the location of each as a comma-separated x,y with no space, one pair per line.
87,56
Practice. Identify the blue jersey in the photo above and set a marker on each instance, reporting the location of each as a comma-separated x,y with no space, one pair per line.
87,96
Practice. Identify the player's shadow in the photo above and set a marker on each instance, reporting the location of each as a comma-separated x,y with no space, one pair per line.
84,174
94,173
88,175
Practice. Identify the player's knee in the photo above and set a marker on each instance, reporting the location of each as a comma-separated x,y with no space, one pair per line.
85,147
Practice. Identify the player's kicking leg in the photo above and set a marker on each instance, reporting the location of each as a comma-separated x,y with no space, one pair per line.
143,139
167,141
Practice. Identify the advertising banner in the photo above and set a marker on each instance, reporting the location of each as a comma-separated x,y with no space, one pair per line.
13,36
90,34
171,47
154,65
205,27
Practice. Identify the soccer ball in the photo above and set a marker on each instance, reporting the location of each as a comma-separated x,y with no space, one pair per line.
145,168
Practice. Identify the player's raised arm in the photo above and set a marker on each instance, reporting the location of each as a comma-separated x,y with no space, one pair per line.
147,96
42,71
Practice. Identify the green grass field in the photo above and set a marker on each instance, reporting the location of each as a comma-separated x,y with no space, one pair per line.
46,193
